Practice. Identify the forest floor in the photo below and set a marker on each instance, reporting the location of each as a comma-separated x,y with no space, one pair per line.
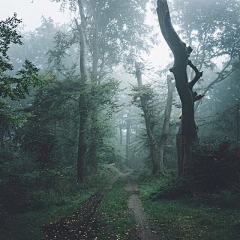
123,209
209,216
80,225
116,212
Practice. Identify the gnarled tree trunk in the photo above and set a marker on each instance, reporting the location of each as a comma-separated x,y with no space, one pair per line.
187,135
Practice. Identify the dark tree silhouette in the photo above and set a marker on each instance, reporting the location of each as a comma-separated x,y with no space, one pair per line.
187,136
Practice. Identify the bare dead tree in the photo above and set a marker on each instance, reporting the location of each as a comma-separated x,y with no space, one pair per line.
187,136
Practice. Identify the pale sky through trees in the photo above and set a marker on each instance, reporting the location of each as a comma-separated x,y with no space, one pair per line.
31,12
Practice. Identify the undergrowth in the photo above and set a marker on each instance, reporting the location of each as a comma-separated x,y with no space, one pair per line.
181,209
48,205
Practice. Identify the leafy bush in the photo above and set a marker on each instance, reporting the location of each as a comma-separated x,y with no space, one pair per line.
217,169
224,198
217,165
37,200
170,187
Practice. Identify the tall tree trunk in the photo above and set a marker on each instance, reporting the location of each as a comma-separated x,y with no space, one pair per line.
82,142
238,121
95,138
95,48
2,140
128,134
95,113
187,135
120,133
167,115
156,170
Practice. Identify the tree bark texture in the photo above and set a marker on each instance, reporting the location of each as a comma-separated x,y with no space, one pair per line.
94,80
82,144
1,140
156,170
128,135
120,133
238,121
187,135
95,50
167,115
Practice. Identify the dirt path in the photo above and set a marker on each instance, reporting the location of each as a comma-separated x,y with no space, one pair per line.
135,204
78,226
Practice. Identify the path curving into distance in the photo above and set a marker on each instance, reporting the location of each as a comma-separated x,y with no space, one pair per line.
78,226
135,204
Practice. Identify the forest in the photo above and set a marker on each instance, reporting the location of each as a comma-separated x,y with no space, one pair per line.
121,122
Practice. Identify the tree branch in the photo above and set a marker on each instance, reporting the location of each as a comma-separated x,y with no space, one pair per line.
197,77
198,97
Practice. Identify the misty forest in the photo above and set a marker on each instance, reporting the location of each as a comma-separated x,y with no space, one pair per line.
122,122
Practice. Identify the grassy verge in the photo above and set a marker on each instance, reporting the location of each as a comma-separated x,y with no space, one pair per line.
189,218
29,225
113,219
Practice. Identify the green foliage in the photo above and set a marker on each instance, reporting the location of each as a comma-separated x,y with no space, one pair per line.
63,41
217,164
53,202
28,79
110,152
13,88
216,169
170,187
208,216
118,36
213,26
8,35
39,140
23,190
145,92
50,132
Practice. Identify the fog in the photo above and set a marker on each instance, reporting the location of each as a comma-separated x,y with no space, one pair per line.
31,12
119,119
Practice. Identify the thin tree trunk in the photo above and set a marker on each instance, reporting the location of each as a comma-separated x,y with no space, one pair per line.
82,143
120,133
128,141
156,170
95,49
167,115
2,140
95,113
